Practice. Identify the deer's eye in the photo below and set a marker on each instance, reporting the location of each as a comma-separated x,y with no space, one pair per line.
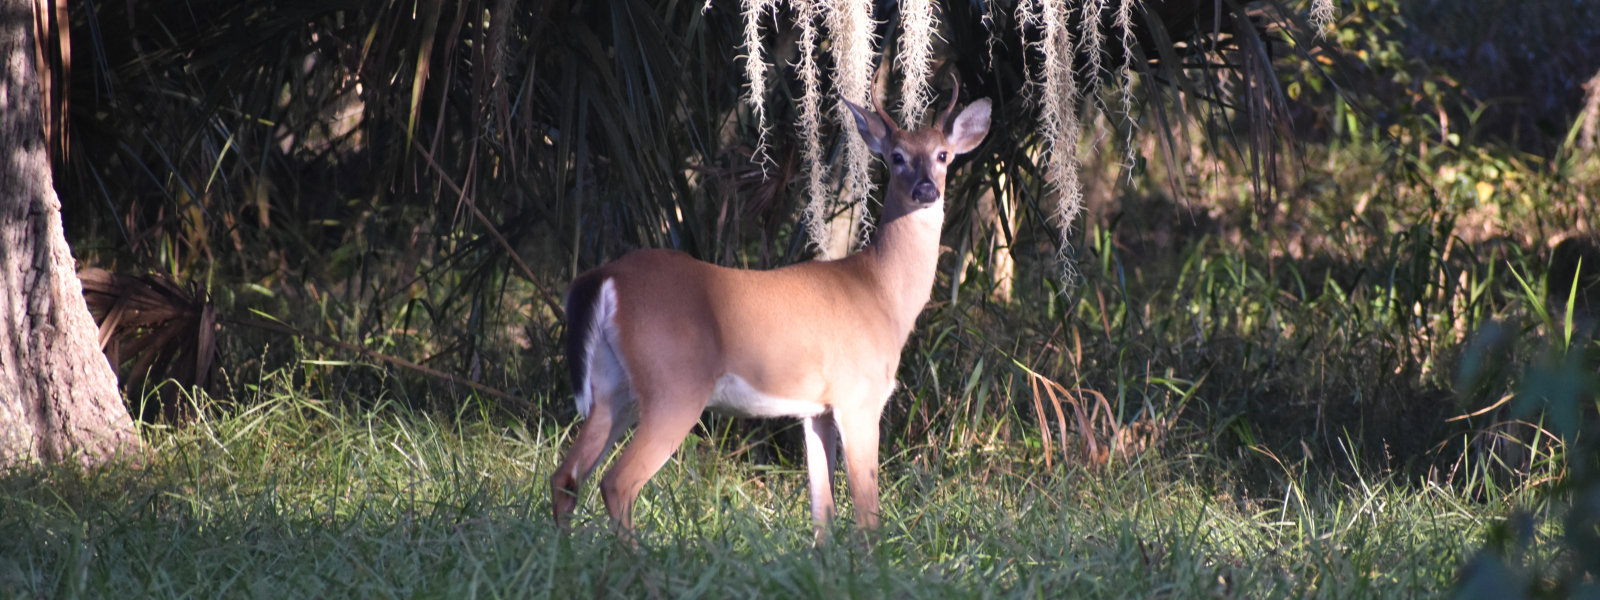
944,156
899,158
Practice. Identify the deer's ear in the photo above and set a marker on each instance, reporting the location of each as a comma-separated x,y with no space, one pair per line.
969,128
873,130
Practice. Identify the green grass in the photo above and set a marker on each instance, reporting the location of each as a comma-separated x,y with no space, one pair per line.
298,498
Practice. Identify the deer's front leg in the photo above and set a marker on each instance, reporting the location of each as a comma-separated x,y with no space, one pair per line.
858,431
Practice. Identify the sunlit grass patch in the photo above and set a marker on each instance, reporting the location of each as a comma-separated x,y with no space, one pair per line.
297,498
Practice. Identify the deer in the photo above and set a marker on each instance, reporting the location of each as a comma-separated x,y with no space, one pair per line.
656,337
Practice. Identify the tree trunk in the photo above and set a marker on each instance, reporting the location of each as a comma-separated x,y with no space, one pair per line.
992,207
58,395
843,230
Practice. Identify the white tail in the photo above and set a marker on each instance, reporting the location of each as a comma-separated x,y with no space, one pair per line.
657,337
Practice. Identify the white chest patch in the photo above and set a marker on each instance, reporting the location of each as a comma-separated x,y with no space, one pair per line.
734,396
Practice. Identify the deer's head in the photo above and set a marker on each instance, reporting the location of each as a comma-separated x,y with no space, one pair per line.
917,159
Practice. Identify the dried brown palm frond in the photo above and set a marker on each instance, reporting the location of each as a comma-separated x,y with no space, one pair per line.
1102,436
751,191
154,331
54,55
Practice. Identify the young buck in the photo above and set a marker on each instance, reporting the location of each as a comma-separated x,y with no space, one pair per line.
657,337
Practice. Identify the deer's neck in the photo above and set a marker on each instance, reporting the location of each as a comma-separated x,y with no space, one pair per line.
903,258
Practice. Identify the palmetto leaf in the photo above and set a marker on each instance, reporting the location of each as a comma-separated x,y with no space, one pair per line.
156,330
153,330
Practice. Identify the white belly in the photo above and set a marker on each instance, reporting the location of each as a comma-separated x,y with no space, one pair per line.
734,396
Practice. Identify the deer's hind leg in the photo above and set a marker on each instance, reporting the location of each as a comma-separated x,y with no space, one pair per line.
666,415
613,411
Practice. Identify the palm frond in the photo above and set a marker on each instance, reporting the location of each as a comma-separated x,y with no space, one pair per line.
154,330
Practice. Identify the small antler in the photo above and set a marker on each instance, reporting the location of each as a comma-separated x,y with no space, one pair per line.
955,94
877,104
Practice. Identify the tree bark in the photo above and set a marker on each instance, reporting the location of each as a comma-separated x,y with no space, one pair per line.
1001,264
58,395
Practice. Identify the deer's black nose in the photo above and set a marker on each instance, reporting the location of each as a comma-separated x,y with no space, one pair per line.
925,191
